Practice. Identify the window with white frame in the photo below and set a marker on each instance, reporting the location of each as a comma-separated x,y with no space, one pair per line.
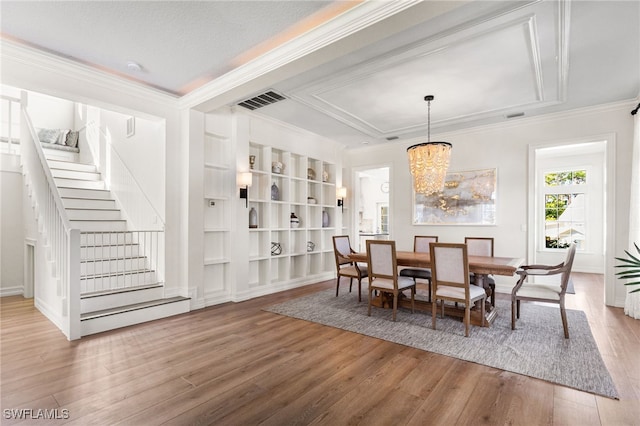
565,195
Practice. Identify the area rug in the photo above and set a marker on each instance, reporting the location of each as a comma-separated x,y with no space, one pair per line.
537,348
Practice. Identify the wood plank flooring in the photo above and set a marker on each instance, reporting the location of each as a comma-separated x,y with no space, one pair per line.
235,364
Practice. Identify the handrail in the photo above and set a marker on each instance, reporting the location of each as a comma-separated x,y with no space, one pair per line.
92,124
62,240
47,172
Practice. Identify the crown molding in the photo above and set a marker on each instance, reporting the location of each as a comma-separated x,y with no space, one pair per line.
342,26
544,118
17,57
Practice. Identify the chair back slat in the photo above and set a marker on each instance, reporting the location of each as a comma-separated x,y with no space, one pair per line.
341,249
451,265
382,260
479,246
421,243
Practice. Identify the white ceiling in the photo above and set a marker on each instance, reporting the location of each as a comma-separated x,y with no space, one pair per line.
482,60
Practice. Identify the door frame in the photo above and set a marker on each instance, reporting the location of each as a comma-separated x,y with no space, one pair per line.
609,212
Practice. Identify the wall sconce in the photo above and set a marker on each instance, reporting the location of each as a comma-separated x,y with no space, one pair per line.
244,182
341,193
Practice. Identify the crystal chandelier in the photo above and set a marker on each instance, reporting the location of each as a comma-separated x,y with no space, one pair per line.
429,161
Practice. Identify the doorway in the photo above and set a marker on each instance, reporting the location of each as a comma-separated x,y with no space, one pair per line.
29,268
569,205
372,205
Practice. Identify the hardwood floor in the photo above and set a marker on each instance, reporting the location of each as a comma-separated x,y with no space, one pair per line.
235,364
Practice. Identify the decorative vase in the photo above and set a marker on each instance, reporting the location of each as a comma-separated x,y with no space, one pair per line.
252,161
275,192
277,167
325,176
311,200
253,218
295,222
310,246
325,219
276,249
311,174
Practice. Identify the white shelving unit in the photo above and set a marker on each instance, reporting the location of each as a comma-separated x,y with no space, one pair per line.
306,187
217,209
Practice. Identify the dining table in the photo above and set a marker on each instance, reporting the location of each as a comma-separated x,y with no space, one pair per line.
480,266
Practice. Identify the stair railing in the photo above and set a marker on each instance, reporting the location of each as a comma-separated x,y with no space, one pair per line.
134,203
62,240
116,260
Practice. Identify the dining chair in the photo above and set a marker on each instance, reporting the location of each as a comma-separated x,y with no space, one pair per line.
420,245
345,267
543,292
482,246
383,273
450,281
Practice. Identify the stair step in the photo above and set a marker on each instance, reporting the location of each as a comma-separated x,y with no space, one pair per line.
88,252
95,194
93,214
109,299
90,284
88,203
72,165
108,265
100,225
75,174
109,319
79,183
107,238
56,155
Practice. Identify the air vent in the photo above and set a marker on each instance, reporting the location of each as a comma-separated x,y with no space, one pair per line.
392,138
517,114
262,100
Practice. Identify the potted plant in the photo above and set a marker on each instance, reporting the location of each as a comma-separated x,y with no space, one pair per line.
633,268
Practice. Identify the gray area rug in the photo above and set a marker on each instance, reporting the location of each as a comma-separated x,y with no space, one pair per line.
537,348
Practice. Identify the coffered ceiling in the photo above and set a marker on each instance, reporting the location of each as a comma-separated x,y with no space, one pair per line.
484,61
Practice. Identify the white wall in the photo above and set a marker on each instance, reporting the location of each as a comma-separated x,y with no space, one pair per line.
11,226
49,112
505,147
143,153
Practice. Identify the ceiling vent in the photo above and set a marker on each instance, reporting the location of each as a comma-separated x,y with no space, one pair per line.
517,114
262,100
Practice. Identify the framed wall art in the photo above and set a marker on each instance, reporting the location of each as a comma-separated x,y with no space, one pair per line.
468,198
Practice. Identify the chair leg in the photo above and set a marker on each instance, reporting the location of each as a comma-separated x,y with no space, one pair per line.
395,305
350,284
337,285
434,309
369,312
359,290
467,320
484,318
493,294
518,309
513,313
413,300
563,314
429,281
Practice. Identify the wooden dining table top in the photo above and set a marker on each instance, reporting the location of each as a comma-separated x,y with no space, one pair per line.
477,264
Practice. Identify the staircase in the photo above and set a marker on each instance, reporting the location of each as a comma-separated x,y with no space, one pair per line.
119,285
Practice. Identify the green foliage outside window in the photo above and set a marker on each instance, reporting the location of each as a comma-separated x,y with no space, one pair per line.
574,177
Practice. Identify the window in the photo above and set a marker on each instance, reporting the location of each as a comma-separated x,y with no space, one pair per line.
383,218
564,211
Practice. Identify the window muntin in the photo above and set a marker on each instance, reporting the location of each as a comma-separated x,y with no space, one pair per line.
564,208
